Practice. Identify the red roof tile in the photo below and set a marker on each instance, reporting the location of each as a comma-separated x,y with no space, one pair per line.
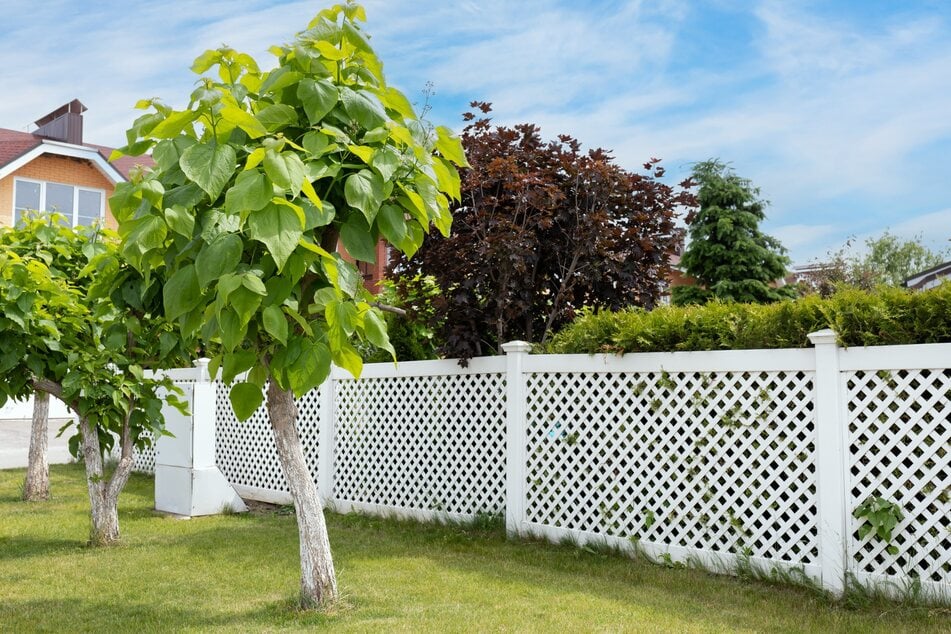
14,144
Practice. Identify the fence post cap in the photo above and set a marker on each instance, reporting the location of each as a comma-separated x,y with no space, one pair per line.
201,365
516,346
824,336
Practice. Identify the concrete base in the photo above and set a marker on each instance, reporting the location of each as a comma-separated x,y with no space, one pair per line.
193,492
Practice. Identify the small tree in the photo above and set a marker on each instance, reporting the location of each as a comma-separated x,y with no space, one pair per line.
80,340
65,251
257,181
728,255
542,229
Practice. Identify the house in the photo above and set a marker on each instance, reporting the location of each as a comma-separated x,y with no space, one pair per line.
930,278
53,168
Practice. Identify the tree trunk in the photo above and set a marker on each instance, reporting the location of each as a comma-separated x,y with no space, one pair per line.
103,495
37,484
318,585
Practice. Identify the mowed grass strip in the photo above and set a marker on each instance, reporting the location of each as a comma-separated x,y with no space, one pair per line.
240,573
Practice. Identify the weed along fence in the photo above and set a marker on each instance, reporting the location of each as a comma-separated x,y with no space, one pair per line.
792,460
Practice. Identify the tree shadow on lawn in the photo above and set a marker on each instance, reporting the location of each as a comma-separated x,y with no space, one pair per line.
24,546
396,574
72,614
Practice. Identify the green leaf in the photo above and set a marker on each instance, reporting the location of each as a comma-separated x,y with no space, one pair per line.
210,166
364,191
144,234
365,152
317,216
275,323
277,116
245,303
375,328
364,107
392,223
395,100
279,79
285,169
251,191
246,398
254,284
218,257
237,362
181,292
315,142
180,220
174,124
357,239
244,120
347,357
309,369
318,96
449,145
279,228
386,161
447,178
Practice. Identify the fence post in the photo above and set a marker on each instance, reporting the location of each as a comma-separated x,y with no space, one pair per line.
325,441
187,479
832,463
515,405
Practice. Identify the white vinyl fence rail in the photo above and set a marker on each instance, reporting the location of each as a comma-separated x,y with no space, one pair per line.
756,457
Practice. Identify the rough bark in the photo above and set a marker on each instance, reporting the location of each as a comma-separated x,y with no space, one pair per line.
103,494
318,580
37,484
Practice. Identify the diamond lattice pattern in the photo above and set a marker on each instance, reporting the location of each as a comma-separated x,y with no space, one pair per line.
432,443
246,453
900,444
720,461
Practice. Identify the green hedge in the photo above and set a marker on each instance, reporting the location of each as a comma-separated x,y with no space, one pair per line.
887,316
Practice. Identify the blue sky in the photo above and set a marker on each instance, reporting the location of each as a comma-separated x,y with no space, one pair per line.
840,111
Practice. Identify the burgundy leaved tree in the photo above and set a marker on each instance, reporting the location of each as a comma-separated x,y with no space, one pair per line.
542,229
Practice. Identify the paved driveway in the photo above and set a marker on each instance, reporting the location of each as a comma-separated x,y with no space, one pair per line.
15,443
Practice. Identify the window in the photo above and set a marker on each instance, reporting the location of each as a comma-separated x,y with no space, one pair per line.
82,206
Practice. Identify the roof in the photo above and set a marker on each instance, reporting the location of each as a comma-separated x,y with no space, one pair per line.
16,145
920,280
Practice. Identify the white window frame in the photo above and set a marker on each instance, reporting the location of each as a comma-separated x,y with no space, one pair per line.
76,190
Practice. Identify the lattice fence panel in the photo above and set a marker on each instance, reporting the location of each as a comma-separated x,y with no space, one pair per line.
434,443
715,461
245,452
143,458
900,443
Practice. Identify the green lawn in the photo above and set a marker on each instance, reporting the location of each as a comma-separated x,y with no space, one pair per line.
239,573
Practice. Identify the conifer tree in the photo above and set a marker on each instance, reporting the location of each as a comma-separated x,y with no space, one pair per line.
728,255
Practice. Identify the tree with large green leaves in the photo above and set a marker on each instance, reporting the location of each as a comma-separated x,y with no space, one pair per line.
728,255
259,180
75,323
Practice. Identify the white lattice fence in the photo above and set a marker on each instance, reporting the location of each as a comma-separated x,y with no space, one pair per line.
715,461
432,440
245,451
762,454
899,424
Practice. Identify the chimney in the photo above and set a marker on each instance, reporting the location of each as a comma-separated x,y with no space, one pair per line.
63,124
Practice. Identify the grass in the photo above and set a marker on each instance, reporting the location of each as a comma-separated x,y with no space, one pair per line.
240,573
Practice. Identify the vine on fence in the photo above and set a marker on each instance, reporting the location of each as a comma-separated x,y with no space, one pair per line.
881,516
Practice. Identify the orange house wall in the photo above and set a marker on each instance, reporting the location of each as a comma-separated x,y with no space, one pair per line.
55,169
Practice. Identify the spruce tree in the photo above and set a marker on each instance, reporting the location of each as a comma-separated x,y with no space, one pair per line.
728,255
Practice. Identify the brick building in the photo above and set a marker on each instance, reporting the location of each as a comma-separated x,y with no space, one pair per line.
52,168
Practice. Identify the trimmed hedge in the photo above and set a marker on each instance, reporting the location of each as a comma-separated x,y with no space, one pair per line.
887,316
